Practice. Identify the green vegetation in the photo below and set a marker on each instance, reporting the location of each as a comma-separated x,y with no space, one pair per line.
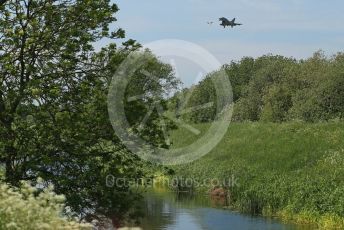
286,146
26,208
276,89
293,170
54,121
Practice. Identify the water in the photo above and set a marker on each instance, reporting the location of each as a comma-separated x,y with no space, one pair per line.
166,210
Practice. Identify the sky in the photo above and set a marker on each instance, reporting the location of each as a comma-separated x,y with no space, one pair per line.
293,28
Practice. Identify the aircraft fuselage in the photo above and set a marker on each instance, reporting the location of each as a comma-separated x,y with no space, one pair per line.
225,22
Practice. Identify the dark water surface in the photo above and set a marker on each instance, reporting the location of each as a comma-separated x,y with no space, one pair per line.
166,210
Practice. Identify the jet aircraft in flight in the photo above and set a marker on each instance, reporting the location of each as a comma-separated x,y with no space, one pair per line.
225,22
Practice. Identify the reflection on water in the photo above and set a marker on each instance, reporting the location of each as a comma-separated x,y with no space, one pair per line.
167,210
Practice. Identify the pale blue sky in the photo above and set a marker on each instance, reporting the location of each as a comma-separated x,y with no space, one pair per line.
295,28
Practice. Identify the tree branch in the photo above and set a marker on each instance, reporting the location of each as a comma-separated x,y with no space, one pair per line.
2,2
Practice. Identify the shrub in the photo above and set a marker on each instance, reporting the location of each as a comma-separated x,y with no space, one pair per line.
27,208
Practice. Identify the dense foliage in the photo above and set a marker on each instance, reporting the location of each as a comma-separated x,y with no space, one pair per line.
277,89
54,120
27,208
293,170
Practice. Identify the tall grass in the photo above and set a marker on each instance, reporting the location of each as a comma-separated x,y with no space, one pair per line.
292,170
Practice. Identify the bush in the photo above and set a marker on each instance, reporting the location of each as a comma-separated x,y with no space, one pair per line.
27,208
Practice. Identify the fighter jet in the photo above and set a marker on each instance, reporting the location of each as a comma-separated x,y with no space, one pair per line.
225,22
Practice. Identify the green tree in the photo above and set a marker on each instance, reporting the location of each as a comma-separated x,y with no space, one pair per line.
53,102
45,50
259,92
240,74
319,95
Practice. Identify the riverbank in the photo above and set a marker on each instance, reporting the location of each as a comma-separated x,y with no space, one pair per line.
165,209
291,170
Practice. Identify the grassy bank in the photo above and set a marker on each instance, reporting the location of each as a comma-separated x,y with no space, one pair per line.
293,170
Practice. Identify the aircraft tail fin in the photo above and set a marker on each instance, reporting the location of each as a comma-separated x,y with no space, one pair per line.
233,20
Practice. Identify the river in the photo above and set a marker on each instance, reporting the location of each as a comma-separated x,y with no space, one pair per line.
167,210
